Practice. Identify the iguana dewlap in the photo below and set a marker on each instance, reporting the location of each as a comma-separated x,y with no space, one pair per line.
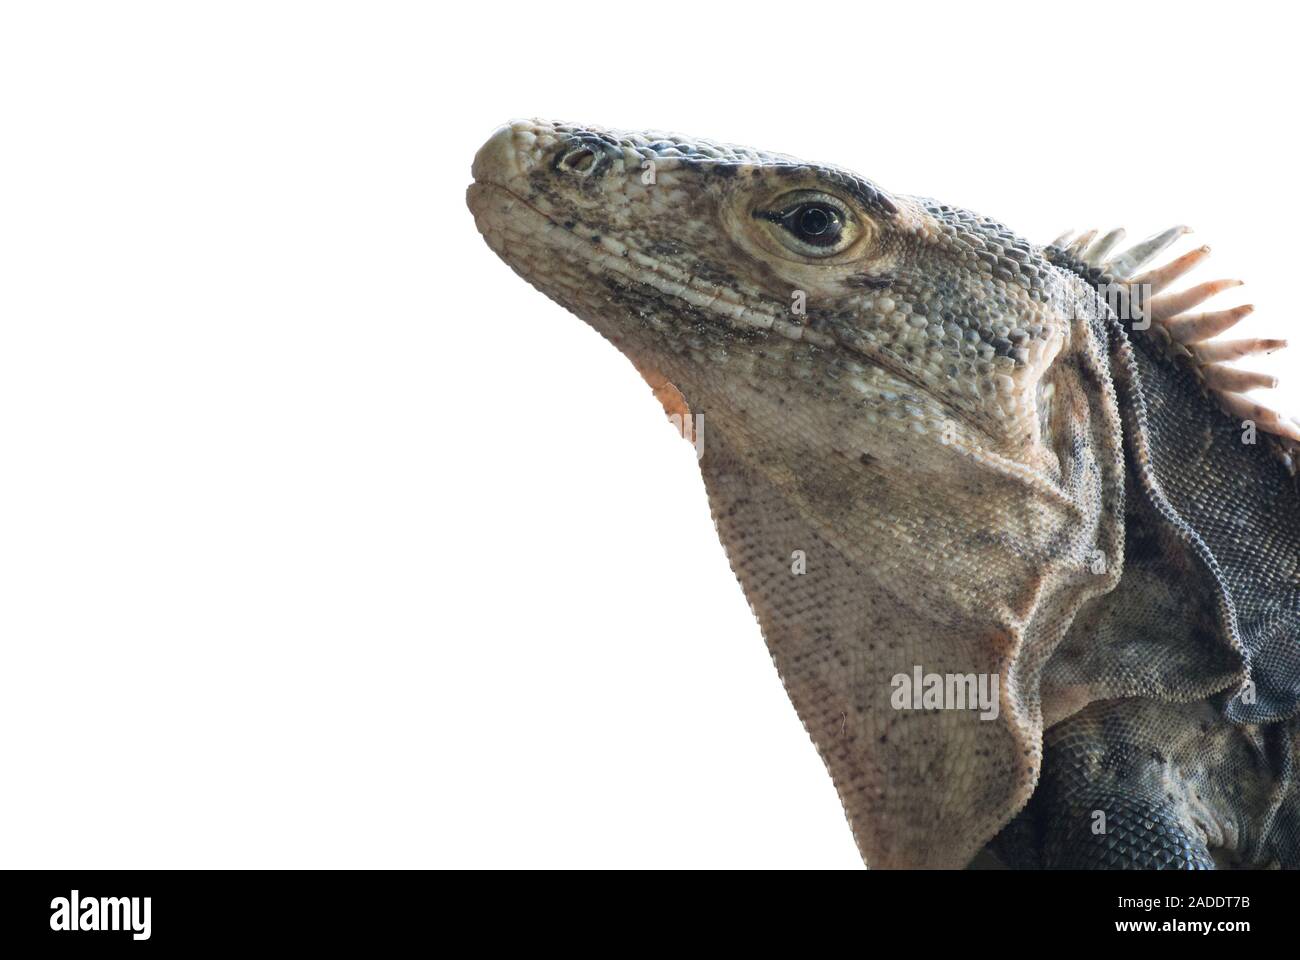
937,450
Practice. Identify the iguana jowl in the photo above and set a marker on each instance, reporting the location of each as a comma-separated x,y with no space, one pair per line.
998,459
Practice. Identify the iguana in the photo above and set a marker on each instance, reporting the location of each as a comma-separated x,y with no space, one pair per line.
936,451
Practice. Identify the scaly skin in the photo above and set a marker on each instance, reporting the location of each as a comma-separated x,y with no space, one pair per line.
1179,786
937,431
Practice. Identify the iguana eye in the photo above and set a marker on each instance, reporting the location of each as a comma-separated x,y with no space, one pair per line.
810,224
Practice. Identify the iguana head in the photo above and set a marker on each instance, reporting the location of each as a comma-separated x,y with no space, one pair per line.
675,247
904,393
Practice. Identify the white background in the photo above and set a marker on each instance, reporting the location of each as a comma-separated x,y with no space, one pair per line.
326,541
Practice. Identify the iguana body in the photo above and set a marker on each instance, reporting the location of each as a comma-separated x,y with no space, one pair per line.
934,448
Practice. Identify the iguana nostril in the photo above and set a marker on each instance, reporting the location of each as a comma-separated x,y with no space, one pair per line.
580,160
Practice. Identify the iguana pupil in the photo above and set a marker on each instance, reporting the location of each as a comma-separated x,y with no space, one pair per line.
814,223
